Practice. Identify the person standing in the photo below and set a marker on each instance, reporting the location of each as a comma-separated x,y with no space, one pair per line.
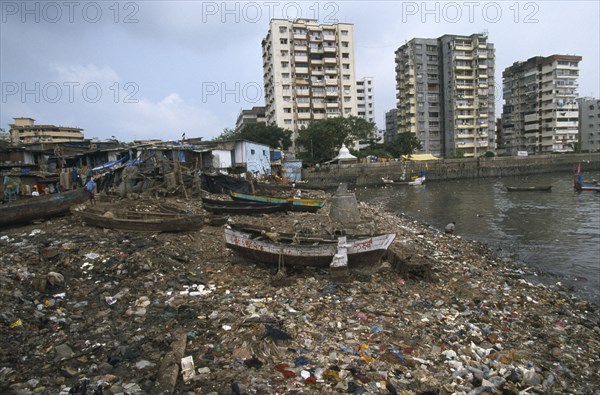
90,188
75,177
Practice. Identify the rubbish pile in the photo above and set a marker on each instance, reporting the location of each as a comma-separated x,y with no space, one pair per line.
85,310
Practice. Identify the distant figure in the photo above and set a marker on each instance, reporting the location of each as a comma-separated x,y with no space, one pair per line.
75,177
449,229
35,191
90,188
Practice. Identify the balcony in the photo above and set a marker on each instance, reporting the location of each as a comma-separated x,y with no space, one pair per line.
332,81
301,58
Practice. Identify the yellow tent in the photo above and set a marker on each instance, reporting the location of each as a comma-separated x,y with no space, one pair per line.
419,157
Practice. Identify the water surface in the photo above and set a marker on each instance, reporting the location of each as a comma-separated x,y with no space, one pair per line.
555,233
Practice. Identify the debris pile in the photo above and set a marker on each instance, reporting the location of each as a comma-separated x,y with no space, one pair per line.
86,310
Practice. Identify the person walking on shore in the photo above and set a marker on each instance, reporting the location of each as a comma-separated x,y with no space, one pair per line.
90,188
449,229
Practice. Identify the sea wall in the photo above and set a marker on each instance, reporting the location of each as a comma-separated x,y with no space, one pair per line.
370,174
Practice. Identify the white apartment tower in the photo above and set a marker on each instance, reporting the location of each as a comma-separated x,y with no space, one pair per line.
365,103
540,113
445,92
308,72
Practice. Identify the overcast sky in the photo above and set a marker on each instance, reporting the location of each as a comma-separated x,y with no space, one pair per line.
157,69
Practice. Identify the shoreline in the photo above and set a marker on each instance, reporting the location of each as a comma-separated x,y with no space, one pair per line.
445,316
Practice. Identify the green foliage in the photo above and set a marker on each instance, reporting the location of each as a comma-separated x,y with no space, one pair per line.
488,154
321,140
378,151
260,133
5,144
406,144
228,135
459,154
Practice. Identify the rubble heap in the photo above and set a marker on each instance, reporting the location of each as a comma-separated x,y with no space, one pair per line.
87,311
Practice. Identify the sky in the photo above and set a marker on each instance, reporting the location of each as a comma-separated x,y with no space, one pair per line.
140,70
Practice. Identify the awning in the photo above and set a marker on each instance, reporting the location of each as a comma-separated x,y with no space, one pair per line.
419,157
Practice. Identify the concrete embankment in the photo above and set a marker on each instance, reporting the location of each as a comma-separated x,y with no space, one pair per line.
370,174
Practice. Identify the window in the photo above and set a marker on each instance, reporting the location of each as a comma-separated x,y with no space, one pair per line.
345,56
345,44
344,32
252,152
283,41
282,29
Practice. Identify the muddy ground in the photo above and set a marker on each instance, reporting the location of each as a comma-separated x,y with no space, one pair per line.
88,311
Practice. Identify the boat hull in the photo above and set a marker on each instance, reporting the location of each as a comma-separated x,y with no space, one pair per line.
530,188
245,209
41,207
151,222
361,252
298,204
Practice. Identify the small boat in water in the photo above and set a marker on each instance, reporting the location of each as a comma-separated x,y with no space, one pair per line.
40,207
298,204
529,188
417,181
580,184
360,252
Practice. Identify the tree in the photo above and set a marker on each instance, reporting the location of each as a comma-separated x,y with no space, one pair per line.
406,144
321,140
270,135
227,135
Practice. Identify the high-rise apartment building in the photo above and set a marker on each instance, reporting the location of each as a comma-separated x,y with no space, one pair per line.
589,124
248,117
391,125
445,92
308,72
540,112
365,103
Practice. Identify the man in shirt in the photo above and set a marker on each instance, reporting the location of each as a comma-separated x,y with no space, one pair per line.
90,188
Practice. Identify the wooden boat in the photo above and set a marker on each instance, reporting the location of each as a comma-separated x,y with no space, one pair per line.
40,207
580,184
139,220
298,204
236,203
245,209
360,252
529,188
389,181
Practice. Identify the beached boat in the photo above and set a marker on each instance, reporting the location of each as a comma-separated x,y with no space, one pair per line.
40,207
245,209
361,252
529,188
141,221
298,204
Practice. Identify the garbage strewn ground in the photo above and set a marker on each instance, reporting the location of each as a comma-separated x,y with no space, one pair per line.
91,311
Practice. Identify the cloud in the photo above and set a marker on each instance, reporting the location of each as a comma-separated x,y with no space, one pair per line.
166,119
84,73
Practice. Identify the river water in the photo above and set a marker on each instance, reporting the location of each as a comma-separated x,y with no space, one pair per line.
555,234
